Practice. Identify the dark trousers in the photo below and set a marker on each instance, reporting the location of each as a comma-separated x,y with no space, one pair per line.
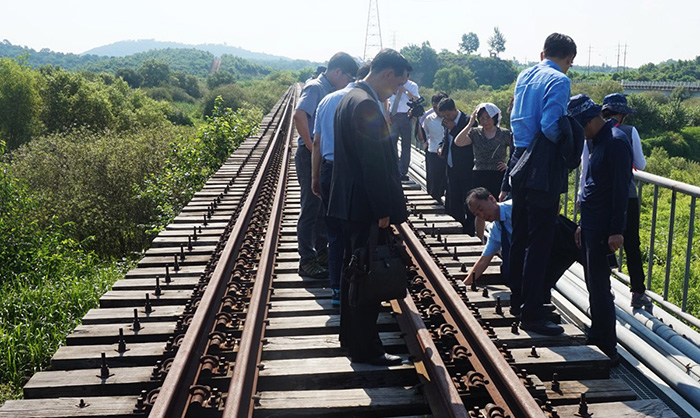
334,229
311,228
490,180
402,125
602,331
358,324
436,175
563,254
532,239
458,184
634,256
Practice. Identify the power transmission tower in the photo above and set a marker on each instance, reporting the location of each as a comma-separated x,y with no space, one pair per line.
588,72
373,36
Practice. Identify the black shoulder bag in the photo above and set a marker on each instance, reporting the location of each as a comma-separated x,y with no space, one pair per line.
378,272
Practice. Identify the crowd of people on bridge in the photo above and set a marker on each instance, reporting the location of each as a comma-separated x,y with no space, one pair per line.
350,166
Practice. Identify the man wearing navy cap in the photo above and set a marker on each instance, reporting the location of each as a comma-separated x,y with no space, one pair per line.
603,212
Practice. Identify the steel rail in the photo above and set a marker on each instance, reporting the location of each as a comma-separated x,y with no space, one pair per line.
438,388
170,401
240,400
506,390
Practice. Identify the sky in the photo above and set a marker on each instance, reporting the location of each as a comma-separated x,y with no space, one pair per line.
648,30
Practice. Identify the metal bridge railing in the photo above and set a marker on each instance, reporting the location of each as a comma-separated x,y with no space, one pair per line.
649,85
679,217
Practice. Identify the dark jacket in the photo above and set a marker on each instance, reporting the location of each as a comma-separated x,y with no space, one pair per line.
604,196
462,157
365,185
544,166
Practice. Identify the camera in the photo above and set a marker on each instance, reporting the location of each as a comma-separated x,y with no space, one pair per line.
416,108
612,260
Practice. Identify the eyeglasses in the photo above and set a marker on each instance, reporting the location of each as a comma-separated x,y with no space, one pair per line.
350,77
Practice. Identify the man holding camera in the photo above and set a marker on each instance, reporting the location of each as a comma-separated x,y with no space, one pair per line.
459,161
603,212
403,123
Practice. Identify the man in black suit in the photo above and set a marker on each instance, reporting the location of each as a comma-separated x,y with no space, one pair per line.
460,161
366,190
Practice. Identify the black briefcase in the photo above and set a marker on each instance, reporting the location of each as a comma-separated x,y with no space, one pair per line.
378,272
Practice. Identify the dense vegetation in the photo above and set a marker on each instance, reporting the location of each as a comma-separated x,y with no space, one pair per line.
93,168
671,70
450,71
72,202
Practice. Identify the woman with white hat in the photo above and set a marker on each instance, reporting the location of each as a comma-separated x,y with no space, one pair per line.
490,144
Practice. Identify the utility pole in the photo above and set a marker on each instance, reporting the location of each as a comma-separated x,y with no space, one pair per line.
617,70
624,62
373,35
588,72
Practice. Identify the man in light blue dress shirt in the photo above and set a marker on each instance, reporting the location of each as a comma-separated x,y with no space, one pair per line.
321,173
540,100
311,234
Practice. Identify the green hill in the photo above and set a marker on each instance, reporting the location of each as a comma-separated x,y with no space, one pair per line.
125,48
189,59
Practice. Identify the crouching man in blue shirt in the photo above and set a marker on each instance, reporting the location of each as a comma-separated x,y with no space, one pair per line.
603,211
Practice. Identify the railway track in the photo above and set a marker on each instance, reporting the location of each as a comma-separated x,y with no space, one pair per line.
215,322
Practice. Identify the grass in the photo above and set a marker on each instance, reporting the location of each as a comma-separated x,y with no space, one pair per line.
36,317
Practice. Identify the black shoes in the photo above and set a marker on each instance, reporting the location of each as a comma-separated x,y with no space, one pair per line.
640,300
615,359
548,308
313,270
542,326
385,359
322,258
